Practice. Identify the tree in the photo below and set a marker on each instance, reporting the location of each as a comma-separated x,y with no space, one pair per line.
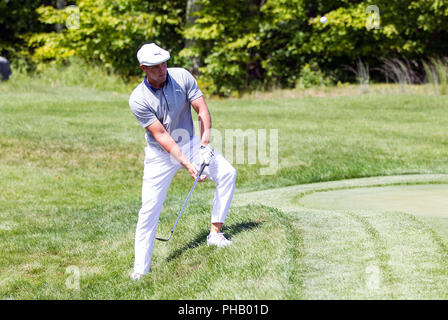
234,45
226,41
110,32
190,20
18,19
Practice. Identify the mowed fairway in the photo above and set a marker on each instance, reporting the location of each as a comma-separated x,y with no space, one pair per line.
71,161
380,237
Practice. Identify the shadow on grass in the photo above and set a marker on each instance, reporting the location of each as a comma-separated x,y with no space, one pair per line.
200,238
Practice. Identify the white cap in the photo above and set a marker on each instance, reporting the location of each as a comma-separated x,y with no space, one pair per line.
151,54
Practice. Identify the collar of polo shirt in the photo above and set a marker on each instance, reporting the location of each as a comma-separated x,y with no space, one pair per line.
149,86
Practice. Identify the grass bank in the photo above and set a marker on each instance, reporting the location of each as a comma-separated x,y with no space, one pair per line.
70,169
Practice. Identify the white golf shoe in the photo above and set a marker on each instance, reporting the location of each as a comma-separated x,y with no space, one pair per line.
217,239
136,276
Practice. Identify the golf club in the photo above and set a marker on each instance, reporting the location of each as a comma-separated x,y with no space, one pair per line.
183,207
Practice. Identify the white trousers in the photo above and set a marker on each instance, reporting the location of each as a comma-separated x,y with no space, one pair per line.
159,170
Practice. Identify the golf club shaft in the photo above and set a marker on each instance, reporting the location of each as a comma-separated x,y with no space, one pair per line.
185,203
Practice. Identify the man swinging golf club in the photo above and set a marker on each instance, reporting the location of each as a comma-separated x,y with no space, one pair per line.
161,105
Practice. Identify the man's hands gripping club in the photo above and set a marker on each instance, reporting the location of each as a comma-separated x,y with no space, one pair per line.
206,152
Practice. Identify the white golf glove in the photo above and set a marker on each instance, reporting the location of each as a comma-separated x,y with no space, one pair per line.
206,153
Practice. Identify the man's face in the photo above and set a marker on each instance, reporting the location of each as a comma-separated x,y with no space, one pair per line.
155,74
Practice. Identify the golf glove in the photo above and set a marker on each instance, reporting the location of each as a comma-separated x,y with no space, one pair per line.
207,153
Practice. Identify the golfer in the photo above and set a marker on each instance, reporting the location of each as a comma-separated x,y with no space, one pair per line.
161,105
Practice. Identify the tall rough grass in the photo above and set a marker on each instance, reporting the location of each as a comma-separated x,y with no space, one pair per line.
362,74
436,70
406,74
401,71
76,73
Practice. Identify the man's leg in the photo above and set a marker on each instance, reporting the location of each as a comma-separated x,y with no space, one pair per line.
158,173
224,175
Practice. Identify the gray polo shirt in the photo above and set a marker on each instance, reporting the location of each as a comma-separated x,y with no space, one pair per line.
170,104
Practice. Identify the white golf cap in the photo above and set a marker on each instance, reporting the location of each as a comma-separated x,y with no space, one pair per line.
151,54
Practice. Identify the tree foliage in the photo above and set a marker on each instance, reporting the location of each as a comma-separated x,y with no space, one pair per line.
109,32
18,19
249,43
238,44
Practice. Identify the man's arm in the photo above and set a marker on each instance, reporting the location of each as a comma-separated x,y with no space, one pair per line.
162,136
205,121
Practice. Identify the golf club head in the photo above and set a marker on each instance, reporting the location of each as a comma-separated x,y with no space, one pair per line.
163,239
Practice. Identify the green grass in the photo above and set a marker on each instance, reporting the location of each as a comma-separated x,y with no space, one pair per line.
71,161
405,256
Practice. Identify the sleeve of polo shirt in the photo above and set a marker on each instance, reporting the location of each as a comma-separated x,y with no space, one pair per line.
144,115
191,85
